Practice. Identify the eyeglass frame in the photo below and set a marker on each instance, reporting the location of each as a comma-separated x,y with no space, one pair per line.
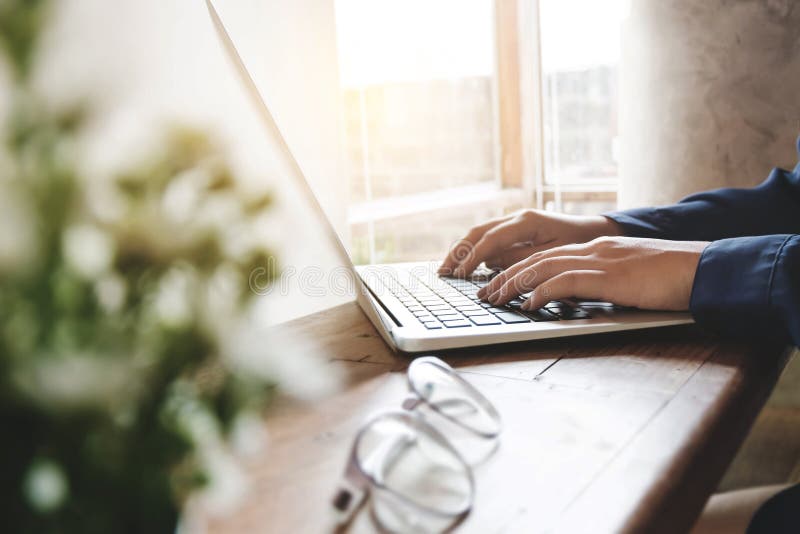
357,484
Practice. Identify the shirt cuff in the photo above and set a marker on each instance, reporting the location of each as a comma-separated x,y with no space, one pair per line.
640,222
733,284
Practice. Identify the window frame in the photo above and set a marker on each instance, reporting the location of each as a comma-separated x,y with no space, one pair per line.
519,127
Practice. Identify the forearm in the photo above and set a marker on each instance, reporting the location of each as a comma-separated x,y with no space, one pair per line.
771,208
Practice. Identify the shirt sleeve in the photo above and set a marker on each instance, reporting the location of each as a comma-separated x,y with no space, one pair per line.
750,287
770,208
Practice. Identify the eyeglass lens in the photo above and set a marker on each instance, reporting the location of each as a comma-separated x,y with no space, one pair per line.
412,470
448,394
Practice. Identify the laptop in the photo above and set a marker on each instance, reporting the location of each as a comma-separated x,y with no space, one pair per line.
413,308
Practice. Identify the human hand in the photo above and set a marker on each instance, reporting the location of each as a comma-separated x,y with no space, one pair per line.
504,241
645,273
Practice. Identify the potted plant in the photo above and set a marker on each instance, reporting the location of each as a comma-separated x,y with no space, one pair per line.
129,357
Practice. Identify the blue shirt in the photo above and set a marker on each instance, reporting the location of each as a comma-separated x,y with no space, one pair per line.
748,280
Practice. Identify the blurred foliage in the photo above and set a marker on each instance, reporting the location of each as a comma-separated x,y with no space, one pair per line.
21,24
121,303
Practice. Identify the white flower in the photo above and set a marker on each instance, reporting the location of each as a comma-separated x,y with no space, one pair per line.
104,201
87,250
110,292
219,299
77,380
249,434
45,485
237,240
297,364
228,483
173,304
217,212
182,195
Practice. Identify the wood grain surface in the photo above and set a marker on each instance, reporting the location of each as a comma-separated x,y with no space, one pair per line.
606,433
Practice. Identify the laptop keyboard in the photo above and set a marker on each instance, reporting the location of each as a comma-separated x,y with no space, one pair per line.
453,303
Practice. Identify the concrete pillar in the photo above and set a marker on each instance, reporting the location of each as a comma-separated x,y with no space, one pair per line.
710,95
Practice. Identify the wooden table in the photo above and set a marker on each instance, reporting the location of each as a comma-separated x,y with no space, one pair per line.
615,432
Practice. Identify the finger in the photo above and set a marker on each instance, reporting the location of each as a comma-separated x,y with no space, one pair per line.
462,247
514,267
530,278
514,254
579,249
494,241
584,284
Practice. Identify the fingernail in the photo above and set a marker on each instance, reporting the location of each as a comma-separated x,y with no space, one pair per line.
527,305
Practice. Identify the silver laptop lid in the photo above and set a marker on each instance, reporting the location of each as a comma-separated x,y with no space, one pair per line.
289,162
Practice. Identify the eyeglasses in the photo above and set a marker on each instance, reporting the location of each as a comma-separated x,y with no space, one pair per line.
417,464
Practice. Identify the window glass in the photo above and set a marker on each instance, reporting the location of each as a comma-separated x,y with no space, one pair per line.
417,78
580,63
419,114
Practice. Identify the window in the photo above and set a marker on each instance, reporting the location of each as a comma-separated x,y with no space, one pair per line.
580,51
443,104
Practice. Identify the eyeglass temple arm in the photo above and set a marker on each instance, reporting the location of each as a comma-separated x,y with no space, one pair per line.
352,490
350,494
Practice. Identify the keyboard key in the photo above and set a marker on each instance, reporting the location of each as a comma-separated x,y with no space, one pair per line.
575,313
512,318
449,316
448,291
541,315
458,323
566,311
484,320
417,288
476,313
453,299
